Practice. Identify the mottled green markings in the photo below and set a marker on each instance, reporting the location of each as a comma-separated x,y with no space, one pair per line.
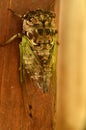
30,62
25,56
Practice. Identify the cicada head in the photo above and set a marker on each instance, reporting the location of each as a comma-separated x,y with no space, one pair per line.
38,23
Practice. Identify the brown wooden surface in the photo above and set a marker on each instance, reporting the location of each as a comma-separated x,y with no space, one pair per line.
39,106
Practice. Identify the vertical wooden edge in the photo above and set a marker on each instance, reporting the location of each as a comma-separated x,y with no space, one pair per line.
57,11
71,67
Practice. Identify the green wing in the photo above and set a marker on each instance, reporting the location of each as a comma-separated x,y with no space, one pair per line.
54,63
22,50
24,40
28,59
33,66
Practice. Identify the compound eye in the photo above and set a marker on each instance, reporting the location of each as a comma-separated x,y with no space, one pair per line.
47,31
30,35
40,31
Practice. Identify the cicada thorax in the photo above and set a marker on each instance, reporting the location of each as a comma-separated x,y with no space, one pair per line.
39,28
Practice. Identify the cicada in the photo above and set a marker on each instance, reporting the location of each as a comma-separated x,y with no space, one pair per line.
38,46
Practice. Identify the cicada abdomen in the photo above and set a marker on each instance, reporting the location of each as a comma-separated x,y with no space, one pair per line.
38,47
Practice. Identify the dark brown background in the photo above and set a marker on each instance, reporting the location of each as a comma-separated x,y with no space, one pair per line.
36,113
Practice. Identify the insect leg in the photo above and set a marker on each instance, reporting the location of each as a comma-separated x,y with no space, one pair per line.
18,35
16,14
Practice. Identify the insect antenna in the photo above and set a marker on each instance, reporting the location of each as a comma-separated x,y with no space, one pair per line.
51,5
16,14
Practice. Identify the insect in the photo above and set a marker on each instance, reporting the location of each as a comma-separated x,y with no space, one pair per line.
38,46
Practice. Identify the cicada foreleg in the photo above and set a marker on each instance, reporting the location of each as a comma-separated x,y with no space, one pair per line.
18,35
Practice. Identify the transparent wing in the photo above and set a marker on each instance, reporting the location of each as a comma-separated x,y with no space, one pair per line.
28,60
53,62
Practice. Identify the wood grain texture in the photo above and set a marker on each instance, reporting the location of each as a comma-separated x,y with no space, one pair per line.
38,112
